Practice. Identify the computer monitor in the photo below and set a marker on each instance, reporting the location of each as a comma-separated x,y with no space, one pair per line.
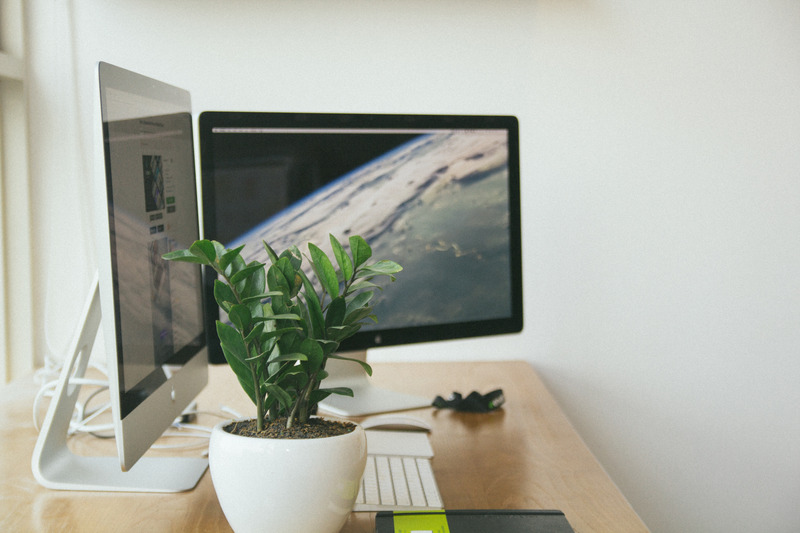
151,311
440,194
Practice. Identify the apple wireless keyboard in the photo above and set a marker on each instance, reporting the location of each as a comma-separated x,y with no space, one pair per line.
393,483
398,475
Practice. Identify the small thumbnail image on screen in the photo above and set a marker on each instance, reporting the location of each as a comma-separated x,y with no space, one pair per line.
153,182
160,300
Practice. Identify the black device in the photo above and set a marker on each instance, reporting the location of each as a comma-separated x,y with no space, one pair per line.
473,521
439,194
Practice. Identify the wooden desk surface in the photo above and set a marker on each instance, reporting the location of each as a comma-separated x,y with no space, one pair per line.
524,456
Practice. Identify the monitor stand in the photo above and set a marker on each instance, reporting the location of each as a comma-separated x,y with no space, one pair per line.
56,467
367,399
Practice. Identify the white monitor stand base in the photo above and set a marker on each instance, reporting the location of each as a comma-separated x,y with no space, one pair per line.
367,399
56,467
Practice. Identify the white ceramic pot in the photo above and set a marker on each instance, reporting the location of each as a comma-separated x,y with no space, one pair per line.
286,485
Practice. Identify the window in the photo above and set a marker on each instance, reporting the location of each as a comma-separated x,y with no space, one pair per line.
16,329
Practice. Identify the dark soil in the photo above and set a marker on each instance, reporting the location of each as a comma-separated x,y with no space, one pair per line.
313,429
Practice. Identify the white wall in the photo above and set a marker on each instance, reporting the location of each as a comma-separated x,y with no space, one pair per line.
661,194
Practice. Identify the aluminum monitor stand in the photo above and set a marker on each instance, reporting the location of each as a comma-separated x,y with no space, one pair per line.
56,467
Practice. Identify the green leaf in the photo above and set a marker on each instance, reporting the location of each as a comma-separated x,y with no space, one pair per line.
294,255
276,281
224,295
324,269
317,396
314,309
340,333
313,351
233,348
381,268
228,257
241,317
360,300
284,316
365,366
357,315
294,356
256,332
344,261
256,356
273,257
260,297
293,279
360,250
232,339
205,250
362,284
184,256
246,272
328,346
344,391
283,397
334,316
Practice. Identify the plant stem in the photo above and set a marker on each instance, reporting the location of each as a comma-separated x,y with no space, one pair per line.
259,402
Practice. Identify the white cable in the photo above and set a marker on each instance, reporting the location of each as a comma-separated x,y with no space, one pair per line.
83,414
230,411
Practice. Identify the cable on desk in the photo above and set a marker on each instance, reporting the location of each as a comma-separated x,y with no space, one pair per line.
85,413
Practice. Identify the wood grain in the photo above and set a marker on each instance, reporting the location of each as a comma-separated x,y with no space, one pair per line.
523,456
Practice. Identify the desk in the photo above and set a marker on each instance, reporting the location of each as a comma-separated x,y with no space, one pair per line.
526,455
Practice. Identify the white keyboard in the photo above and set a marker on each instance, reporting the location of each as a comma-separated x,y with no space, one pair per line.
394,482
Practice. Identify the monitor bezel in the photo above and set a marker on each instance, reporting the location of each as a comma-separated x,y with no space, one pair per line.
374,338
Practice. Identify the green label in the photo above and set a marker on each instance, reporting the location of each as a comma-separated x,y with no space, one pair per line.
416,522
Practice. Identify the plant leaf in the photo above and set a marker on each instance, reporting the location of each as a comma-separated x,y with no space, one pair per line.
365,366
314,309
184,256
233,348
228,257
294,356
381,268
360,250
260,297
335,314
277,281
205,250
324,269
273,257
344,261
283,397
314,353
224,295
360,300
246,272
340,333
357,315
241,317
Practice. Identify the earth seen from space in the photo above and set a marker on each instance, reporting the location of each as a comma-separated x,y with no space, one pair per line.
438,205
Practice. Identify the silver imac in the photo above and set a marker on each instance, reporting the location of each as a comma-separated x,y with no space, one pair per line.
150,311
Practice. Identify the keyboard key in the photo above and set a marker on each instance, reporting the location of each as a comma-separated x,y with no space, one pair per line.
385,484
429,483
399,481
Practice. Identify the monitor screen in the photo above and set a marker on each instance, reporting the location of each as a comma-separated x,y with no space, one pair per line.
437,194
152,309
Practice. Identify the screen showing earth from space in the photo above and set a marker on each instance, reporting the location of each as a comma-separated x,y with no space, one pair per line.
437,202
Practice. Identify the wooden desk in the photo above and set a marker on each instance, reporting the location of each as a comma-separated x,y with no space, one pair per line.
526,455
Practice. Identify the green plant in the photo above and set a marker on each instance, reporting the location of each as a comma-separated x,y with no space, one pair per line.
284,328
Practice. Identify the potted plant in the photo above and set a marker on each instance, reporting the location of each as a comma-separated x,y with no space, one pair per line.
286,470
